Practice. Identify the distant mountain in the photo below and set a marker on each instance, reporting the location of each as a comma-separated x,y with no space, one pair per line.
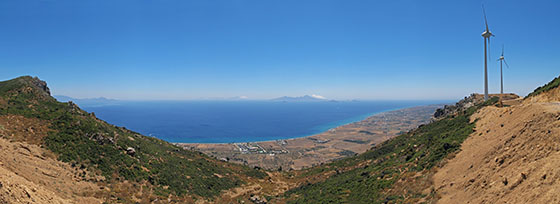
101,101
239,98
306,98
62,98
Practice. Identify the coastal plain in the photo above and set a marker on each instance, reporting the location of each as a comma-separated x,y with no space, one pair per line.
336,143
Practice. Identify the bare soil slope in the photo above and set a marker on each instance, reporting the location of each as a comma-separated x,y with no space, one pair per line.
29,175
513,157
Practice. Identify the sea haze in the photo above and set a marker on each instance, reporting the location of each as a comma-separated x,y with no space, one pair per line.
239,121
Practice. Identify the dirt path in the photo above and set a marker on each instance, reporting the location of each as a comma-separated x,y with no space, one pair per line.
244,190
274,185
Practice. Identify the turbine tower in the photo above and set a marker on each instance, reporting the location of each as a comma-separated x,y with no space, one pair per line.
502,60
486,34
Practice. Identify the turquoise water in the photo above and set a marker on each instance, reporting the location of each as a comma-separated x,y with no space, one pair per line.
239,121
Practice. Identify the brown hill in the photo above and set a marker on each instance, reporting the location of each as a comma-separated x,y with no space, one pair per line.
512,157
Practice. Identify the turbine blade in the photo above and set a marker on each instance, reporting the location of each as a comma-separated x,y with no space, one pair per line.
485,20
502,49
506,63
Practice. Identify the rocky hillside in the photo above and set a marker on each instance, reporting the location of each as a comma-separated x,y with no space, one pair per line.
61,143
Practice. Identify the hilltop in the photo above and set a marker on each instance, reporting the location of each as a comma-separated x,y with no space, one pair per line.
95,160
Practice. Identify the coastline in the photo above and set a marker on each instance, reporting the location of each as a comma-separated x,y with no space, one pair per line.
334,143
335,125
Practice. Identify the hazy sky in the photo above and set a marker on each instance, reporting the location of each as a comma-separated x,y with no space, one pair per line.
346,49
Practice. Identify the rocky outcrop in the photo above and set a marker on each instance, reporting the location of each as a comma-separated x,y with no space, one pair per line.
257,199
130,151
460,106
27,85
42,85
466,103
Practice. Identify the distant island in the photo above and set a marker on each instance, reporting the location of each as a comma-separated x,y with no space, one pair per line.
306,98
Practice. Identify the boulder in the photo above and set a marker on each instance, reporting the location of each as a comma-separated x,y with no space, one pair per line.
257,199
130,151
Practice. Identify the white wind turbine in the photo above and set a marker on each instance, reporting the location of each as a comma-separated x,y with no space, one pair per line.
502,60
486,34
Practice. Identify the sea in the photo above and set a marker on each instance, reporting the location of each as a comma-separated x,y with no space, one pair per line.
239,121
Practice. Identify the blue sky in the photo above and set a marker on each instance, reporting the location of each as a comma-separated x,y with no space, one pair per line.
265,49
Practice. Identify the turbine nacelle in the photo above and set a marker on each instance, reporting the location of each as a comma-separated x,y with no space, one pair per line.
487,34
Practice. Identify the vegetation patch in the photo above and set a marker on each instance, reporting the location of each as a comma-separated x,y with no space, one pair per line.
346,153
356,141
368,132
